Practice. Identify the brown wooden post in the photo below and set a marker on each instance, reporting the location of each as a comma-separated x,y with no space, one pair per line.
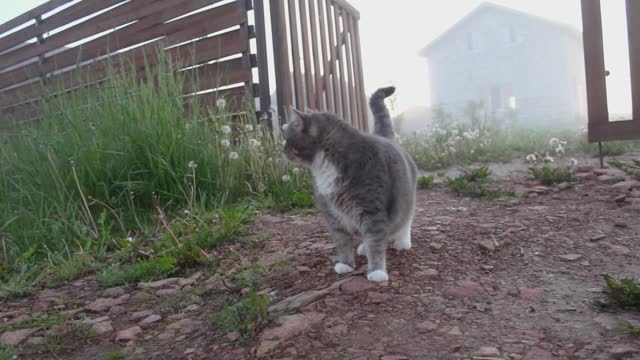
281,57
326,66
262,60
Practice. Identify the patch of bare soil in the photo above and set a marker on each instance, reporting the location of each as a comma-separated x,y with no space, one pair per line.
485,279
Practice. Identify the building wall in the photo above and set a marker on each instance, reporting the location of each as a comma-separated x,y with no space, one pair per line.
496,55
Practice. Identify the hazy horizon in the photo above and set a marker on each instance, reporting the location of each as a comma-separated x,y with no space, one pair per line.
390,43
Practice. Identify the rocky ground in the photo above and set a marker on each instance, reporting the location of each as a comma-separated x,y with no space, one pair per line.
486,279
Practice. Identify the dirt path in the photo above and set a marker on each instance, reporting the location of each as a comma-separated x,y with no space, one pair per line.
486,279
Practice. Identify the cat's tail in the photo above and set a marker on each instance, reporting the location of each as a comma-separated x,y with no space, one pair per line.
381,117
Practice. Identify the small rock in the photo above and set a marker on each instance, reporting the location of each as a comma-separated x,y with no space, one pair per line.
377,298
620,198
455,331
102,328
105,304
619,249
167,292
130,334
532,195
623,351
531,294
299,300
426,326
537,353
435,246
286,328
585,168
429,273
393,357
185,326
621,225
37,340
487,351
585,176
625,186
117,310
487,245
150,320
190,280
158,284
167,335
466,289
356,284
140,314
610,179
192,308
14,338
564,186
598,237
570,257
114,292
232,336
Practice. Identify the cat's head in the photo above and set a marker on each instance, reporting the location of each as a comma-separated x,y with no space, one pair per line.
305,134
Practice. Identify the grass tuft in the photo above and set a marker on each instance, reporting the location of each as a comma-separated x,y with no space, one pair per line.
247,316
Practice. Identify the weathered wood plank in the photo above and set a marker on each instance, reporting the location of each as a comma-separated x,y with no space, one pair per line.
340,58
304,27
326,75
295,54
31,14
281,57
337,104
318,101
262,57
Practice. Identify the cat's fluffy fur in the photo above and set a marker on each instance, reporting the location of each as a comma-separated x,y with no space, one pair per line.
363,183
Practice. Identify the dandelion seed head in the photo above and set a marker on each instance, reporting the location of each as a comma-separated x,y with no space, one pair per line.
233,155
226,143
254,143
296,170
192,164
226,129
286,177
248,127
554,141
221,103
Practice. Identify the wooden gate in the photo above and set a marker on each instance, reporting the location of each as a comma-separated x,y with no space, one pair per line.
317,58
600,128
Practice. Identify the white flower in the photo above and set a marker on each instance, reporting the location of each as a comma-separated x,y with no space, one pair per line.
192,164
554,141
548,159
130,240
296,170
254,143
560,149
532,158
284,127
573,162
286,177
269,159
226,129
249,127
187,126
233,155
221,103
225,143
452,150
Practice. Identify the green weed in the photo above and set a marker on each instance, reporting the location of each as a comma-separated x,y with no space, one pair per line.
624,293
114,354
426,182
41,322
473,184
7,353
632,168
247,316
145,270
548,175
22,281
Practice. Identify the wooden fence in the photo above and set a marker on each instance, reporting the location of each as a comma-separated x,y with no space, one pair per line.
600,127
207,35
64,45
323,39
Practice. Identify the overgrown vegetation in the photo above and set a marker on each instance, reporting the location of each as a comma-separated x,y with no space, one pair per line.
476,137
548,175
7,353
44,322
426,182
247,316
119,174
473,183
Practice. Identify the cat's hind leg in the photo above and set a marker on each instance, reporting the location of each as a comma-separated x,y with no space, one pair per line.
402,239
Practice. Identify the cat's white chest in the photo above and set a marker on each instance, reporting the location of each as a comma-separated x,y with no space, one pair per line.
325,174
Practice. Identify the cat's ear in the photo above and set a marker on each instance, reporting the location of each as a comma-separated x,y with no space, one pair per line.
295,113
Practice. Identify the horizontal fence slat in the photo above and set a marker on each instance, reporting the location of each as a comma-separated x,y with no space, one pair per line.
236,99
198,52
213,76
68,15
116,17
147,28
31,14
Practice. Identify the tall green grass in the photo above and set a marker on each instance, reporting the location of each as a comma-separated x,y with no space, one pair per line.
102,162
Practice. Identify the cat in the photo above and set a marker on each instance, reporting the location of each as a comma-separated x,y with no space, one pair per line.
363,183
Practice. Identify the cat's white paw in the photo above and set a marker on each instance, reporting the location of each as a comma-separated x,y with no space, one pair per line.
362,250
343,268
378,276
403,244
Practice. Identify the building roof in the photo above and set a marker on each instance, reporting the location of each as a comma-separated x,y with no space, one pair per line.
487,6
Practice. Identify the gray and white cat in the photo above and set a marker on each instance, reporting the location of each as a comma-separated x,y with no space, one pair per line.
363,183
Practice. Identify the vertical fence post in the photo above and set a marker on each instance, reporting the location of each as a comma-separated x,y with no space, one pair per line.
263,63
280,57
